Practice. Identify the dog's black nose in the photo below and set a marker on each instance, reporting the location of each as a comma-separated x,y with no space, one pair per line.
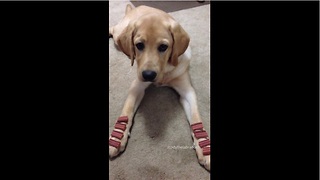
149,75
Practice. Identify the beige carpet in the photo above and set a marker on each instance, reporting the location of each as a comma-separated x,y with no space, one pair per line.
160,123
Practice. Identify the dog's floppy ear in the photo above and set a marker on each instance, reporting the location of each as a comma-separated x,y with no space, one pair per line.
180,42
125,42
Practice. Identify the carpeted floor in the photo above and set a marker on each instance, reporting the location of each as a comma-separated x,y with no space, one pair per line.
160,142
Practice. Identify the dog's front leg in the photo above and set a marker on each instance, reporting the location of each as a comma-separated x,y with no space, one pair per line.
188,100
119,136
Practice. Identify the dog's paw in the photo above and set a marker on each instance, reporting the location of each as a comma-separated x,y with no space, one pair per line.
119,136
205,161
202,144
115,151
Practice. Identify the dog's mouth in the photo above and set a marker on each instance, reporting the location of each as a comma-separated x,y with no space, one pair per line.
156,80
149,81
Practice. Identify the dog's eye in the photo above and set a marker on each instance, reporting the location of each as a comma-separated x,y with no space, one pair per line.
140,46
162,48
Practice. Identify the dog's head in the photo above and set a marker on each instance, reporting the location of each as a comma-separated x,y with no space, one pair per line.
153,41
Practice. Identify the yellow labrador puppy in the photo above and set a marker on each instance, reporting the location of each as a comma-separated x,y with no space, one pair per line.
160,46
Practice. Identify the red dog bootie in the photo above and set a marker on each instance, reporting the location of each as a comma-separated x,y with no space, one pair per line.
199,132
121,124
